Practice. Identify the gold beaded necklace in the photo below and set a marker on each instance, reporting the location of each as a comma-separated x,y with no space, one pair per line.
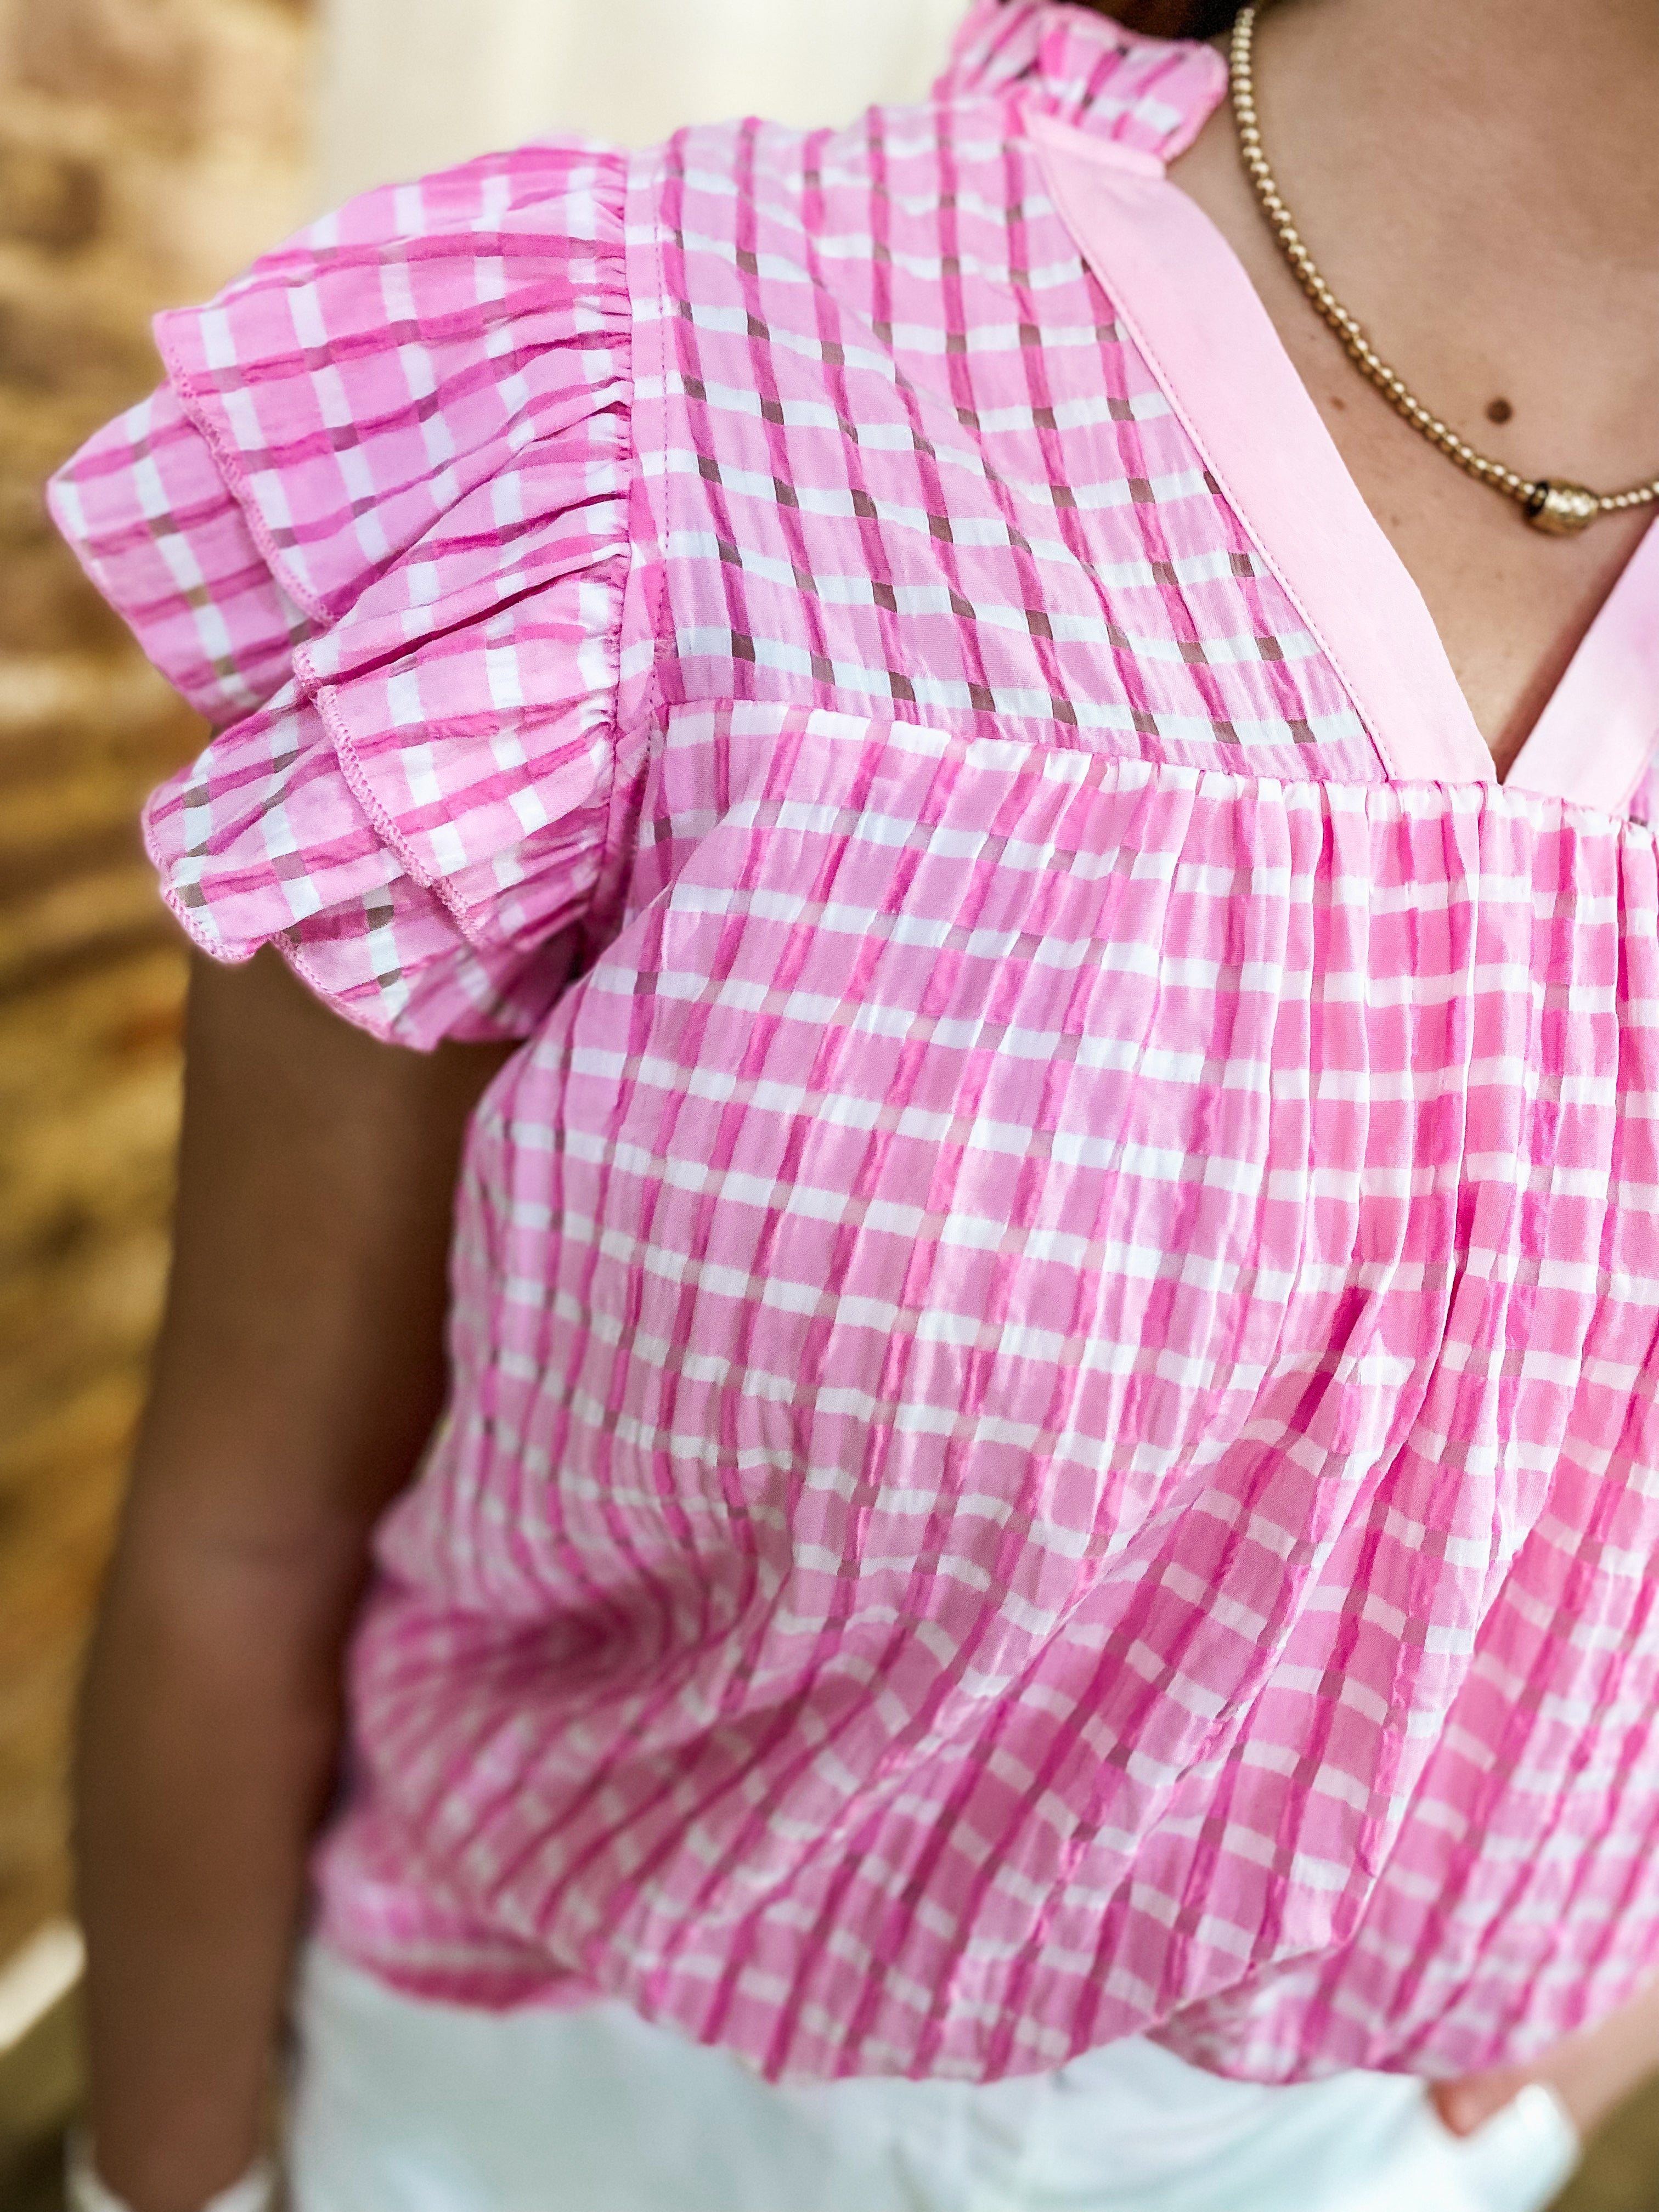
1559,508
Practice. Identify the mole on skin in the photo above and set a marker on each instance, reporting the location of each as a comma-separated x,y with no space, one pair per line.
1499,410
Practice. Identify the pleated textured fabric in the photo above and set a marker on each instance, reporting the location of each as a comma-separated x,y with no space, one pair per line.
1053,1425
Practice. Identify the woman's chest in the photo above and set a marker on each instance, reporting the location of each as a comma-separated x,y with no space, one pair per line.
1039,464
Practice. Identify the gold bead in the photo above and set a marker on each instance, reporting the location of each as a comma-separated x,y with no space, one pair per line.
1562,509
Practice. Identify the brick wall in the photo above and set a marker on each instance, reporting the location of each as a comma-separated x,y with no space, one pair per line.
147,147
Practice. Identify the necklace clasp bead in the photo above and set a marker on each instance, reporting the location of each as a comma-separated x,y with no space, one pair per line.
1562,509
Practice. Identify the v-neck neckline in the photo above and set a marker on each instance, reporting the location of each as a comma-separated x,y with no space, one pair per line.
1183,296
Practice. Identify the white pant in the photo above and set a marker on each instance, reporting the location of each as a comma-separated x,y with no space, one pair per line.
402,2106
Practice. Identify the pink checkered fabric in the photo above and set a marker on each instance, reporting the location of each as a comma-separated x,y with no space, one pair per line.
1053,1430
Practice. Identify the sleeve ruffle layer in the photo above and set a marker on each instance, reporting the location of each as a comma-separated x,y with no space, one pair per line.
374,525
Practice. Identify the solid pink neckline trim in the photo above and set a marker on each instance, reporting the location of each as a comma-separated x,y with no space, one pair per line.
1598,730
1210,343
1181,294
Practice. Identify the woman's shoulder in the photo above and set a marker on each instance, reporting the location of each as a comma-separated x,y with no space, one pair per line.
1012,63
943,188
462,249
1076,66
375,525
501,253
327,411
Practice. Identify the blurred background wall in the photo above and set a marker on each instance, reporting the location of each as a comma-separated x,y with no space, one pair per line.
147,148
449,78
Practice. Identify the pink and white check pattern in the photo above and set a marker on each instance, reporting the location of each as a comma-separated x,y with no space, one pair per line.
1053,1425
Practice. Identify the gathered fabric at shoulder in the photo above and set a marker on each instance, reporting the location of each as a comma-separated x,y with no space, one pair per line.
375,525
159,530
1152,95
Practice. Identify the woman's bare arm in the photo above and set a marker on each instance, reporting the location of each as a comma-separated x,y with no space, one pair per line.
299,1373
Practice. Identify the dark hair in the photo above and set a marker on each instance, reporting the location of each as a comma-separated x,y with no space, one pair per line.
1172,19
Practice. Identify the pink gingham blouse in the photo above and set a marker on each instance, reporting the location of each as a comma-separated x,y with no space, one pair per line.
1054,1418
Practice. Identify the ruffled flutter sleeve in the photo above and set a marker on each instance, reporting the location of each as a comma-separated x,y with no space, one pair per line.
374,526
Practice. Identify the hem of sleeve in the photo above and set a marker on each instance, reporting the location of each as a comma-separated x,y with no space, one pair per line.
208,425
114,588
385,826
484,936
381,819
348,1010
215,948
58,490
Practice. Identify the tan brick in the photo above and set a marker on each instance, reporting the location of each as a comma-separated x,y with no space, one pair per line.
48,345
187,225
98,699
71,1181
47,601
48,197
134,57
255,73
148,149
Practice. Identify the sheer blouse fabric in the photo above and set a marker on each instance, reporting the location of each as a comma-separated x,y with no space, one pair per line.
1052,1421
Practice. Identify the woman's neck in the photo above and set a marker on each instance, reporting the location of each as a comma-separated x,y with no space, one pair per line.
1479,184
1542,112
